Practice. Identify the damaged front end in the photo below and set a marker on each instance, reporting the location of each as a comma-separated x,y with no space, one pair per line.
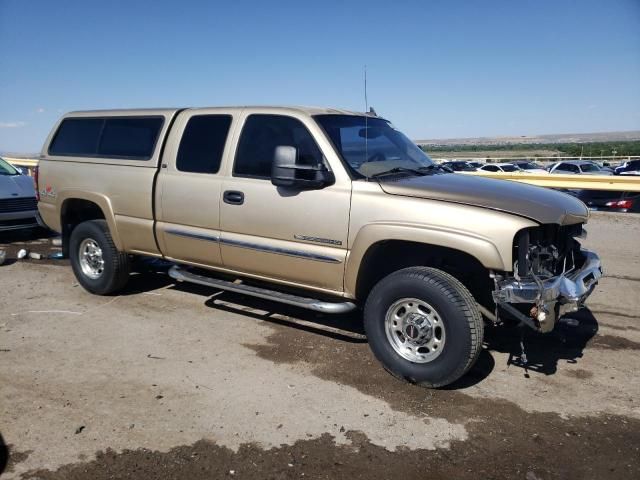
552,276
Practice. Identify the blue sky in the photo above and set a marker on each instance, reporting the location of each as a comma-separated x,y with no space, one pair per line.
437,69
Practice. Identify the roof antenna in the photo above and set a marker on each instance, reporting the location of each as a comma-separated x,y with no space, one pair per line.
366,117
369,110
366,102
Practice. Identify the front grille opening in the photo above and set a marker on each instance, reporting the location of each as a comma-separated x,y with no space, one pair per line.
547,250
18,204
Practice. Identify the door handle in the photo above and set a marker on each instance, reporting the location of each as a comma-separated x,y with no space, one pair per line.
233,197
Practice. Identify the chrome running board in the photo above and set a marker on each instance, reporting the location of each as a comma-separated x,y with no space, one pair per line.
182,275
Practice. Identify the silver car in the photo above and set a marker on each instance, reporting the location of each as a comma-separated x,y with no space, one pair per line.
578,167
18,205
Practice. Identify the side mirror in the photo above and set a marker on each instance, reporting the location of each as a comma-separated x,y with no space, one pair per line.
286,171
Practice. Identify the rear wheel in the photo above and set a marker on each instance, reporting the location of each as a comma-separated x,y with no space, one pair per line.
423,325
97,264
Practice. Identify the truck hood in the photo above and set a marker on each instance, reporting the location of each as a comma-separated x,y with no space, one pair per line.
536,203
16,186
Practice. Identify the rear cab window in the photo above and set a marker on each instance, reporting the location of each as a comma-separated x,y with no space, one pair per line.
202,143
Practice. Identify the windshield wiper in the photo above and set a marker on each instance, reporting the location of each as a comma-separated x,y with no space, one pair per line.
432,168
415,171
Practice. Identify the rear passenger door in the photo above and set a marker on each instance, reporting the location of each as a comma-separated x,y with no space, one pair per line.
189,187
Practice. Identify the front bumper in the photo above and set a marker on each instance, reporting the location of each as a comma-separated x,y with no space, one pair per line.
551,298
18,220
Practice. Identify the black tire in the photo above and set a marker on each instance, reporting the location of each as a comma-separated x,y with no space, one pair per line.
456,309
116,264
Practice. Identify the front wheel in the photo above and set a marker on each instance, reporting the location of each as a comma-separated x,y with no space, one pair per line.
423,325
97,264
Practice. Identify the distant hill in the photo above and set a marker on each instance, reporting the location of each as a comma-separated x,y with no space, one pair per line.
19,155
538,139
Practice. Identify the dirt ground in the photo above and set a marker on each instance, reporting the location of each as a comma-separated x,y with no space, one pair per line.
175,381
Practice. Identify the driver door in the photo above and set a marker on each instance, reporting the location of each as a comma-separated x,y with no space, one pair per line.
293,236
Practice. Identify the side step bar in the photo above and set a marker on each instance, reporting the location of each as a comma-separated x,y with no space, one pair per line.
182,275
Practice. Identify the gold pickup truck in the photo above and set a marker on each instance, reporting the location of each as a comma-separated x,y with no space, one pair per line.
324,209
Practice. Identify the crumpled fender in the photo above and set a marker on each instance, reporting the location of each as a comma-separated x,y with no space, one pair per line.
477,246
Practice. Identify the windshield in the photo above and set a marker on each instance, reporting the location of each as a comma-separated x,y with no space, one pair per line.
528,166
371,146
458,166
509,168
589,167
7,169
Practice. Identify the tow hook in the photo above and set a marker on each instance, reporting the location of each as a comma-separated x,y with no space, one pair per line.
537,314
523,354
540,314
520,360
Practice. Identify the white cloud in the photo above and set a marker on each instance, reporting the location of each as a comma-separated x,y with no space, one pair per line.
12,124
40,110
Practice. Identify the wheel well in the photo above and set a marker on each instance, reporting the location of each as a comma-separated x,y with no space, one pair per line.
386,257
74,212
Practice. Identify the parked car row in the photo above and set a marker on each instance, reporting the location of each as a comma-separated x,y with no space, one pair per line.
566,167
610,201
510,167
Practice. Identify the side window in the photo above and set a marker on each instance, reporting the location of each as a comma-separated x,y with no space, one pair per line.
202,143
260,137
77,136
491,168
568,167
133,138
